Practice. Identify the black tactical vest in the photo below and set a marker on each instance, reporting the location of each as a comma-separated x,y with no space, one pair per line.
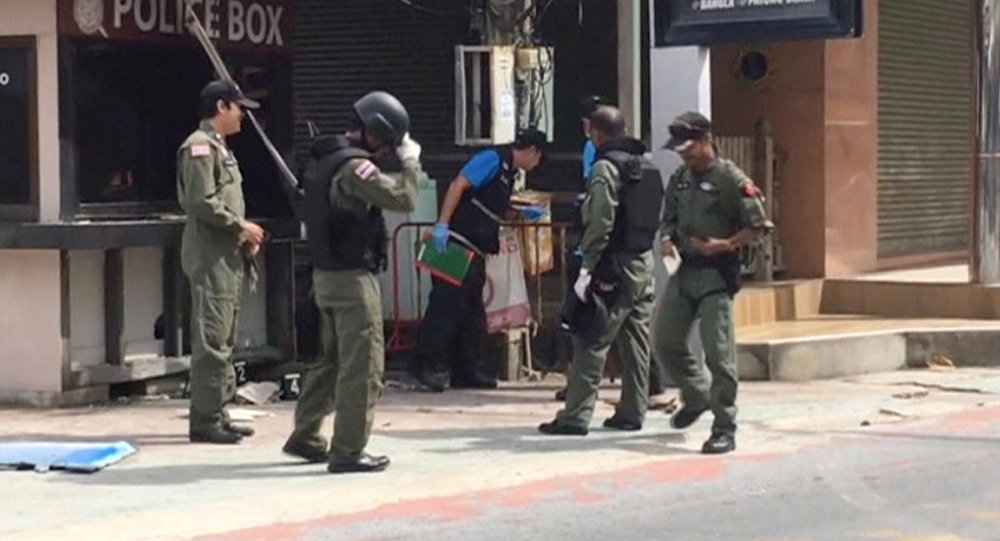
339,239
640,200
476,224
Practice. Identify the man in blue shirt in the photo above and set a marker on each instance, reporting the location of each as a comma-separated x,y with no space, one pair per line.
477,200
588,104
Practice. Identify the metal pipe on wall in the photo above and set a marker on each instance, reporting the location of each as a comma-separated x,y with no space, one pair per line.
985,267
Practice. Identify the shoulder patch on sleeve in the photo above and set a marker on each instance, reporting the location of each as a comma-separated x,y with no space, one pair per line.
365,170
201,149
750,189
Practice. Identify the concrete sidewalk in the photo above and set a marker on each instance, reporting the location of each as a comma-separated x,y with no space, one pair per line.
442,446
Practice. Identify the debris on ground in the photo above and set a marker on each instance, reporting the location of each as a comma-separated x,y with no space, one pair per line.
258,393
939,387
239,415
937,361
913,394
668,406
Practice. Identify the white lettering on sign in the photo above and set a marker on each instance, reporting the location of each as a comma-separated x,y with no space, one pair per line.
712,5
256,23
121,7
166,27
274,18
244,20
4,78
706,5
148,21
212,18
237,29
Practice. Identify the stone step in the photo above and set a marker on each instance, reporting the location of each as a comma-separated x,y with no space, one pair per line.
848,354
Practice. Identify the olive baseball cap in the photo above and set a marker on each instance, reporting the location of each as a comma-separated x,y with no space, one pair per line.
689,127
226,91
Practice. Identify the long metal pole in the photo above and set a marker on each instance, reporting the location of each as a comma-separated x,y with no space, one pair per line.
985,268
290,183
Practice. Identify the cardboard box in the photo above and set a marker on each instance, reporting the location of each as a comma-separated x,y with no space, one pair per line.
536,242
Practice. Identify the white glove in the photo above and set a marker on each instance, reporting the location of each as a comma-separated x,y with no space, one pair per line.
408,149
580,287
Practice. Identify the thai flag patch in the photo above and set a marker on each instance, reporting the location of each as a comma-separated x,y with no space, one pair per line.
200,150
365,170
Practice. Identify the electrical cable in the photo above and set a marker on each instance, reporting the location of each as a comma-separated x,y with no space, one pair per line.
431,11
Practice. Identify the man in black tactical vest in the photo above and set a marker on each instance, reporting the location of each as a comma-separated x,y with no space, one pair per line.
621,215
454,323
346,188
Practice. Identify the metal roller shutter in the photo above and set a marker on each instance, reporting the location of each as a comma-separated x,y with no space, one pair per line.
345,48
925,133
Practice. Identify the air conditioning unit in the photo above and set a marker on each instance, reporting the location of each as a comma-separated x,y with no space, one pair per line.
485,98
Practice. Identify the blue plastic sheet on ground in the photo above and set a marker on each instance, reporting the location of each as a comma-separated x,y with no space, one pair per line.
85,457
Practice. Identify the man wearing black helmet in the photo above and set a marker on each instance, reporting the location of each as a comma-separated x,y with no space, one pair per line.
454,323
347,184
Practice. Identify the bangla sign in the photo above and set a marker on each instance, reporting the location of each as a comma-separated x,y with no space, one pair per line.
707,22
242,23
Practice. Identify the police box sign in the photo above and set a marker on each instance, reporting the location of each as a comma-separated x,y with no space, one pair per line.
243,23
708,22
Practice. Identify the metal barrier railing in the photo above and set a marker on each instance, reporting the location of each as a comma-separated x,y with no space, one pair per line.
400,340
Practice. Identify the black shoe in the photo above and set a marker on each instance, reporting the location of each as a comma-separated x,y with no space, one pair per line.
475,382
616,422
686,417
213,434
553,428
364,463
244,431
561,394
719,444
305,451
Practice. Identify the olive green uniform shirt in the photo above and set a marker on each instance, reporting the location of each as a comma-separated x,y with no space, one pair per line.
716,202
210,190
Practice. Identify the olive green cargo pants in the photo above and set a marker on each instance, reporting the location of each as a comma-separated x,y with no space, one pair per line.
690,296
215,308
348,379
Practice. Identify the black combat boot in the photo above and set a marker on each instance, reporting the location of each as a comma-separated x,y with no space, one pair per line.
213,434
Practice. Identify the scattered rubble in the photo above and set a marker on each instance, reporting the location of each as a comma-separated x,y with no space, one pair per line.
936,361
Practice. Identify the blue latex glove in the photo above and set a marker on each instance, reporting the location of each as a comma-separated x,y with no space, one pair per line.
440,236
532,212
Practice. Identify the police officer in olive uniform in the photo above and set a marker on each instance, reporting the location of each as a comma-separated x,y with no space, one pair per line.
711,208
620,215
454,324
216,245
346,188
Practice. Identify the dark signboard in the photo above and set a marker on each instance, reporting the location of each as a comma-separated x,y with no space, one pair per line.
17,97
263,25
707,22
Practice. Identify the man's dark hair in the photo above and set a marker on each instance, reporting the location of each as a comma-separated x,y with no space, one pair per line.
608,120
206,107
530,137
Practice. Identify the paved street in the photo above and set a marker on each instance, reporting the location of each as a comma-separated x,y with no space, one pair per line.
908,455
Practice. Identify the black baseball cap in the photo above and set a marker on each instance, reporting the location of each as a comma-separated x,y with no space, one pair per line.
690,126
226,91
589,104
531,137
